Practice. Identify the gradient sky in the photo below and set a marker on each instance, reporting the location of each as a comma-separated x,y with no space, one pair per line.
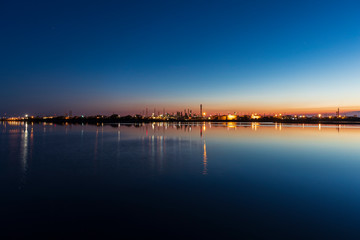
123,56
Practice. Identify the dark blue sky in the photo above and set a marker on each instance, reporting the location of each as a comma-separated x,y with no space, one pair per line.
123,56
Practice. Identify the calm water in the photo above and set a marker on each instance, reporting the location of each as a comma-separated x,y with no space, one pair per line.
176,181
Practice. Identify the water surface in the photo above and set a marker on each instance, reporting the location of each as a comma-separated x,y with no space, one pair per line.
228,180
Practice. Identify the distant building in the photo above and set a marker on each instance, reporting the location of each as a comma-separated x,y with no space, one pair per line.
255,116
229,117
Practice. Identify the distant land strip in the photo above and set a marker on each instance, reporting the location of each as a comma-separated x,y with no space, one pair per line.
140,119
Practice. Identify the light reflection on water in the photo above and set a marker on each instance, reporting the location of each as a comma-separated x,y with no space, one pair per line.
153,138
280,173
205,159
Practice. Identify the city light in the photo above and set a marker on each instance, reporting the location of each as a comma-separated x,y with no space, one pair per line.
188,116
231,117
255,116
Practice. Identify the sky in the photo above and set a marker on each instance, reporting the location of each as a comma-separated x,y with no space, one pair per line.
104,57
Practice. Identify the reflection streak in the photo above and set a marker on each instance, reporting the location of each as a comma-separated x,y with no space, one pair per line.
205,170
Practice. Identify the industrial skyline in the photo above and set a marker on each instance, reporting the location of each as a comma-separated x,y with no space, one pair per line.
189,112
190,115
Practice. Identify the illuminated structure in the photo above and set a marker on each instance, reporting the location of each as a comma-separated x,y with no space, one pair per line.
231,117
255,116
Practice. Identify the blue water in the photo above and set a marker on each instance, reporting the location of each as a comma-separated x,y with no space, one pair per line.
180,181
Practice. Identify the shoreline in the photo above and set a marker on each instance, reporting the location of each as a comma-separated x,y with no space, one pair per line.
140,121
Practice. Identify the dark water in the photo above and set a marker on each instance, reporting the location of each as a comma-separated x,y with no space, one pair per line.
200,181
